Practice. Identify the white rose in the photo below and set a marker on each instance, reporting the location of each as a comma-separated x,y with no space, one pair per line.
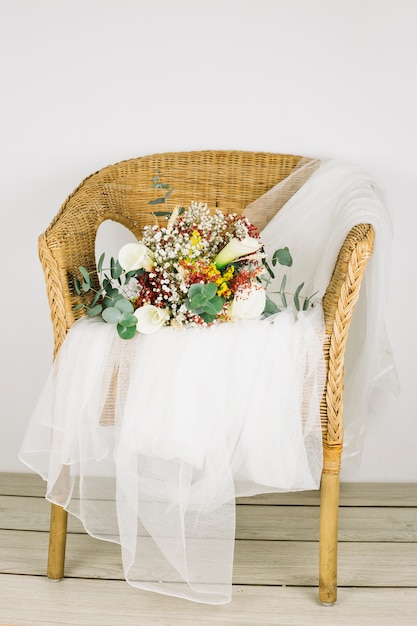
135,256
235,249
248,303
150,318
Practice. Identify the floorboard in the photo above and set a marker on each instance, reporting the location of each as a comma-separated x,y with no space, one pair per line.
30,601
275,566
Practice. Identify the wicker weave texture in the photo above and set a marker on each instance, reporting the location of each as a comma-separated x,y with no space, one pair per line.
228,180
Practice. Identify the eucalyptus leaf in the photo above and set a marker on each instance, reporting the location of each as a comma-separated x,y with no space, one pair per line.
218,303
85,274
77,285
209,290
133,273
85,286
100,262
116,270
270,307
283,257
111,315
92,311
126,332
124,305
128,319
96,298
210,308
107,283
307,301
268,269
78,307
197,301
196,288
157,201
296,296
206,317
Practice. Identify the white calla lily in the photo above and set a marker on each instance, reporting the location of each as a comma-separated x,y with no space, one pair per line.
248,303
135,256
235,249
150,318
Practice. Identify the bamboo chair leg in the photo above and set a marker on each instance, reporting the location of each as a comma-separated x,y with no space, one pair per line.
329,513
57,542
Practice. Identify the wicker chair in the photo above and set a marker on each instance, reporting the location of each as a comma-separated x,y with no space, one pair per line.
228,180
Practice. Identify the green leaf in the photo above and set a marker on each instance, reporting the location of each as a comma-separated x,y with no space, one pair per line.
283,257
116,269
157,201
100,262
210,309
124,305
92,311
96,298
85,286
307,301
110,290
268,269
126,332
111,315
296,296
270,307
218,303
128,319
196,288
85,274
77,285
209,290
78,307
133,273
206,317
197,301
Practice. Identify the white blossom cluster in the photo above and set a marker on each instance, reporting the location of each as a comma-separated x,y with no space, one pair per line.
176,241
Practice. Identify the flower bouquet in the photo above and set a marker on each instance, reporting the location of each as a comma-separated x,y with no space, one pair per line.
199,269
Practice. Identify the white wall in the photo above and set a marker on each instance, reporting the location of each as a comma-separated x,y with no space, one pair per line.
89,82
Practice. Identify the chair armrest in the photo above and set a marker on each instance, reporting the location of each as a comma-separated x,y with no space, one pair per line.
339,303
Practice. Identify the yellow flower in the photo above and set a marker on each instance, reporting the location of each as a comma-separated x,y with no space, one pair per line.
213,272
223,287
228,273
195,239
223,290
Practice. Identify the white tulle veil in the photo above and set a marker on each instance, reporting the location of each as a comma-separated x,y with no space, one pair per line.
150,440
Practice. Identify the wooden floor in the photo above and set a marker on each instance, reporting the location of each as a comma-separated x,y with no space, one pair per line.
275,573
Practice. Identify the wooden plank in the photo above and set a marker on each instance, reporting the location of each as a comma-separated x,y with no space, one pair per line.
352,494
256,562
106,603
252,522
362,524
